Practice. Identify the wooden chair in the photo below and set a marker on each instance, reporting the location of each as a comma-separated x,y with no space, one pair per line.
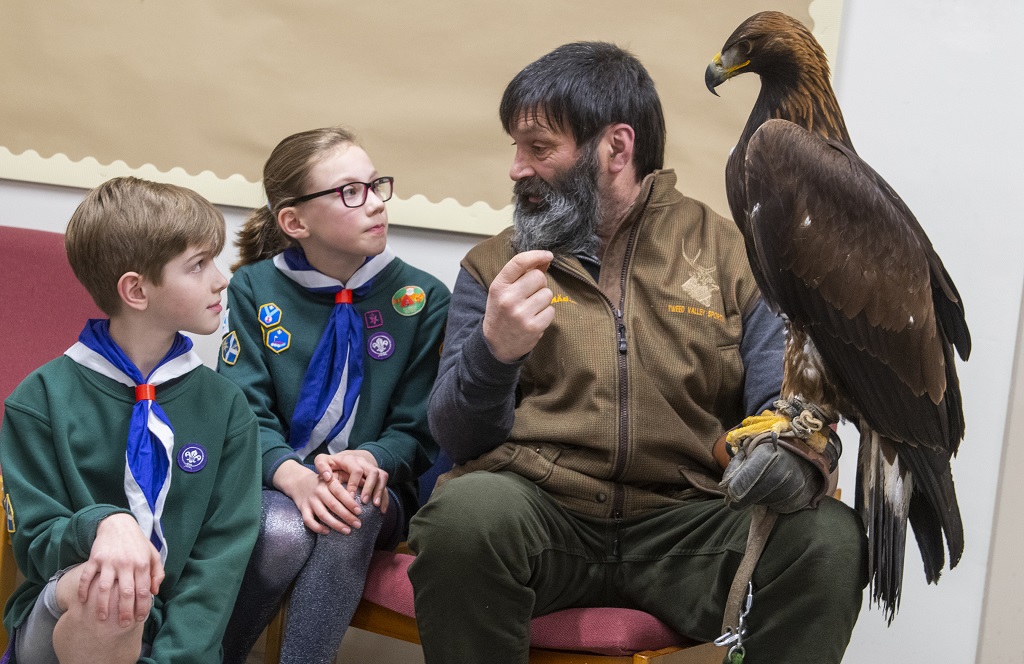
571,636
8,570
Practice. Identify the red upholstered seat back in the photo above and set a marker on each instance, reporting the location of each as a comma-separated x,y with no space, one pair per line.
43,306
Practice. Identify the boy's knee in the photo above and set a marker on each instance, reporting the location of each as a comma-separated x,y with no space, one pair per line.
82,619
82,635
65,602
93,641
65,591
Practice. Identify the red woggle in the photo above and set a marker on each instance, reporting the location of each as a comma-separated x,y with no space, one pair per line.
145,392
344,296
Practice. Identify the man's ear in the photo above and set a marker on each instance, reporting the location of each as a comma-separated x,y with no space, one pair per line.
131,288
291,224
619,144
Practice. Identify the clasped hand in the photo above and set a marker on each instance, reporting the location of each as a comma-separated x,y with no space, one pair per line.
332,497
120,577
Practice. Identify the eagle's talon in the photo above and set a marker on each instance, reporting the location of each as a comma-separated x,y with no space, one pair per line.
757,424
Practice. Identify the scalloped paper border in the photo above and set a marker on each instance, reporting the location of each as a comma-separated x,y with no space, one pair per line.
417,211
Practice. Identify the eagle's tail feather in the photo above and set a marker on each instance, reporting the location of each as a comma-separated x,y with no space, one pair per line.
934,511
928,532
884,488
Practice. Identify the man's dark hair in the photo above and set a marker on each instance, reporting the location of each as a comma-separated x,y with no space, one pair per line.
585,86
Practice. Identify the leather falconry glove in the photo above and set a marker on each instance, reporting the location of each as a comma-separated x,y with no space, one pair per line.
780,471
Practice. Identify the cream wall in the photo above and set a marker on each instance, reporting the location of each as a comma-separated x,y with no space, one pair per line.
932,96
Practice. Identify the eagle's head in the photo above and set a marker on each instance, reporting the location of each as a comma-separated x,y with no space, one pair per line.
772,44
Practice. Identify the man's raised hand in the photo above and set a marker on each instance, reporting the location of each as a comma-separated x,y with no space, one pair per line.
519,306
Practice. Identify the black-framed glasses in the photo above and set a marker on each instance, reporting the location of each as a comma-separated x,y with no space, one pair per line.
353,194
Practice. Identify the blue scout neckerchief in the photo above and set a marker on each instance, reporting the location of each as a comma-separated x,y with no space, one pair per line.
329,395
147,477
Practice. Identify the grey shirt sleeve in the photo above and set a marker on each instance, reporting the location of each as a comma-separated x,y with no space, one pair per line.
761,348
472,403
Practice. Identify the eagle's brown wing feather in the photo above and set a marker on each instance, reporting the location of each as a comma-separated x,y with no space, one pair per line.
838,252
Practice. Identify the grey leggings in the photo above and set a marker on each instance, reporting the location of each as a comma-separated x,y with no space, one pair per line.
33,639
328,572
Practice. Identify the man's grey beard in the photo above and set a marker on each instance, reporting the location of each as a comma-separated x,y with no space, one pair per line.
565,220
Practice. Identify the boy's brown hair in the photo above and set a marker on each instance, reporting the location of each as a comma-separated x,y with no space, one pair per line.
132,225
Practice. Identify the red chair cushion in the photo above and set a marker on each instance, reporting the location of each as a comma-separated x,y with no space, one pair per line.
604,631
387,582
44,306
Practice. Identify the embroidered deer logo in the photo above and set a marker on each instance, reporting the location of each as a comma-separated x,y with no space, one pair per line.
701,284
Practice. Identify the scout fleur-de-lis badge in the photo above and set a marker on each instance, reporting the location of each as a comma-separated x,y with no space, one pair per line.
380,345
192,458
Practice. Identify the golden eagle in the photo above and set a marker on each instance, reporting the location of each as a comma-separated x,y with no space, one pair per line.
872,315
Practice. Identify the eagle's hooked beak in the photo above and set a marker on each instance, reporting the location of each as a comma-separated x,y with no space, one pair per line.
719,72
713,74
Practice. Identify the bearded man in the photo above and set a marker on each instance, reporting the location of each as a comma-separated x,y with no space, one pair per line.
596,352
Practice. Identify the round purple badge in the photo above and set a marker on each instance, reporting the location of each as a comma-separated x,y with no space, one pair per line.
380,345
192,458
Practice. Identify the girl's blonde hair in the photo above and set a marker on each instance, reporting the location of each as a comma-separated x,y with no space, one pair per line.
285,177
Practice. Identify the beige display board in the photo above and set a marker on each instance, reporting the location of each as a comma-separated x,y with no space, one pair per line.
197,92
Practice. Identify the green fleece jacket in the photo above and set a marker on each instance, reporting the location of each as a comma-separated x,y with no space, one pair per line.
62,449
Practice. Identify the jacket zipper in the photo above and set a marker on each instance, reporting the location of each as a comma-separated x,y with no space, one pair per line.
620,458
619,497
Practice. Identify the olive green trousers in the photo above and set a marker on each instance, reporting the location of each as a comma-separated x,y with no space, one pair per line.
494,550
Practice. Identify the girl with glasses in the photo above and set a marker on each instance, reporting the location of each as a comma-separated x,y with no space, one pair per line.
335,342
